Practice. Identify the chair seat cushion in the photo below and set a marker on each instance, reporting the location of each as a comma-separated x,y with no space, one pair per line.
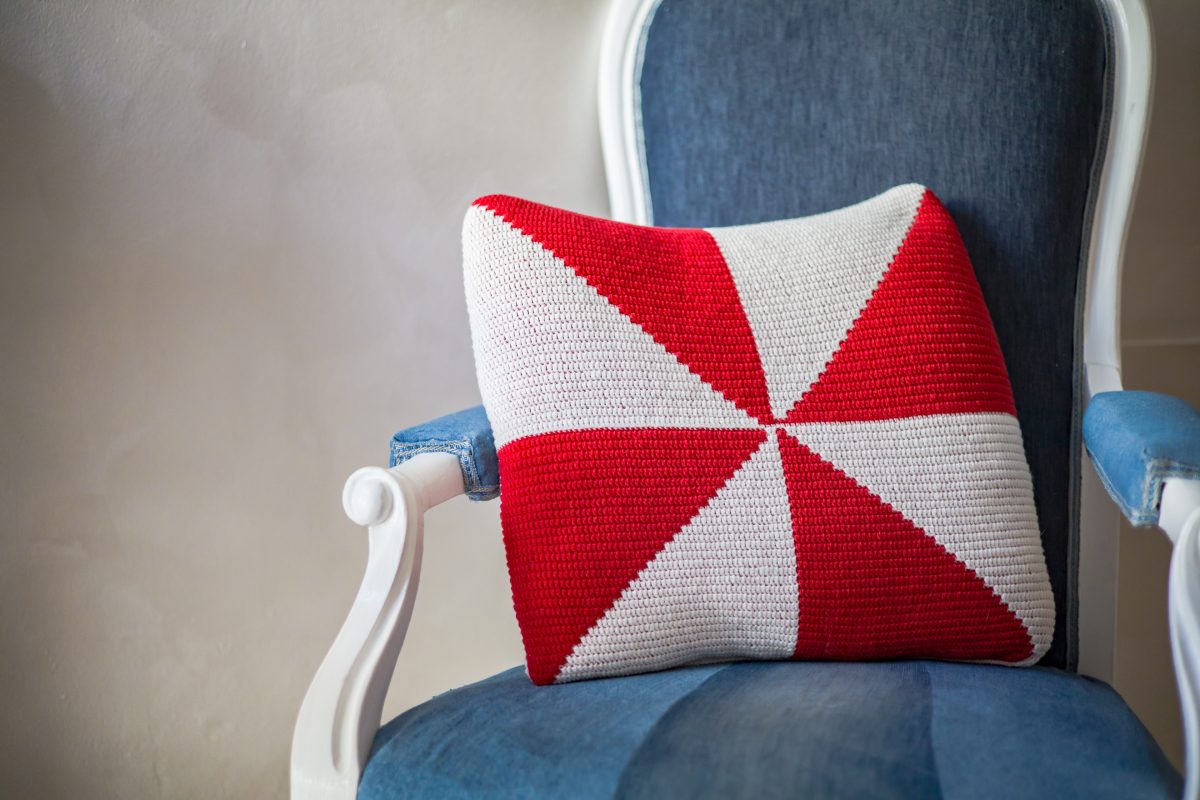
776,729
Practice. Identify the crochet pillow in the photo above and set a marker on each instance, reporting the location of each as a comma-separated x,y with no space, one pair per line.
795,439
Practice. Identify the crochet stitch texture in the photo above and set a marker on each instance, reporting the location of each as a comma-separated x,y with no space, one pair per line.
795,439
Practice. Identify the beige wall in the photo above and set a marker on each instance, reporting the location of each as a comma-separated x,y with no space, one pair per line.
231,269
229,254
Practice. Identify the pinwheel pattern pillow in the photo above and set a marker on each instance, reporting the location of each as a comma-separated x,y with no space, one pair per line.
795,439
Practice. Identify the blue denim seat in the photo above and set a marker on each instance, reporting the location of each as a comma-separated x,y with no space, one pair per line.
777,729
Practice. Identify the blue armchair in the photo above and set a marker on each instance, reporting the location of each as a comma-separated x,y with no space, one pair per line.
1027,117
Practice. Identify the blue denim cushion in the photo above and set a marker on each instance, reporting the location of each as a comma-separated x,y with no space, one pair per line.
465,434
771,109
776,729
1137,440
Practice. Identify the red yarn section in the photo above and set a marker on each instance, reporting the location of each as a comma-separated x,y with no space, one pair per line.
924,343
673,283
874,586
584,511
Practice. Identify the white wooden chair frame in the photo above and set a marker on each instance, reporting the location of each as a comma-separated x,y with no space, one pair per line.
342,710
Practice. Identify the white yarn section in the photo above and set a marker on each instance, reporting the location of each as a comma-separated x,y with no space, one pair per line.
803,282
553,354
963,479
724,588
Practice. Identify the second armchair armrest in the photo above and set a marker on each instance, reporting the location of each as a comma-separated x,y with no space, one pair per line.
467,435
1137,441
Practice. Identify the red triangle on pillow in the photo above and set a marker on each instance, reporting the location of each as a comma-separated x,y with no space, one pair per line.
874,586
673,283
587,510
924,342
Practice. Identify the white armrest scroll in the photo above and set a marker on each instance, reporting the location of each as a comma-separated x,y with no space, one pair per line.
342,709
1179,516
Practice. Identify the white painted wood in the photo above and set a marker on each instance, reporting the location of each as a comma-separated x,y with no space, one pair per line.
619,95
1178,507
1132,63
342,709
1179,517
1133,74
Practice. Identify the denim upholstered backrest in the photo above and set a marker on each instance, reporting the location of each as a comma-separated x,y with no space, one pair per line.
767,109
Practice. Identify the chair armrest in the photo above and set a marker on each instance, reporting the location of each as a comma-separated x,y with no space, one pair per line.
1137,440
466,435
341,711
1146,449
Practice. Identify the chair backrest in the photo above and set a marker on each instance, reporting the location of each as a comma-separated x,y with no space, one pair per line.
768,109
